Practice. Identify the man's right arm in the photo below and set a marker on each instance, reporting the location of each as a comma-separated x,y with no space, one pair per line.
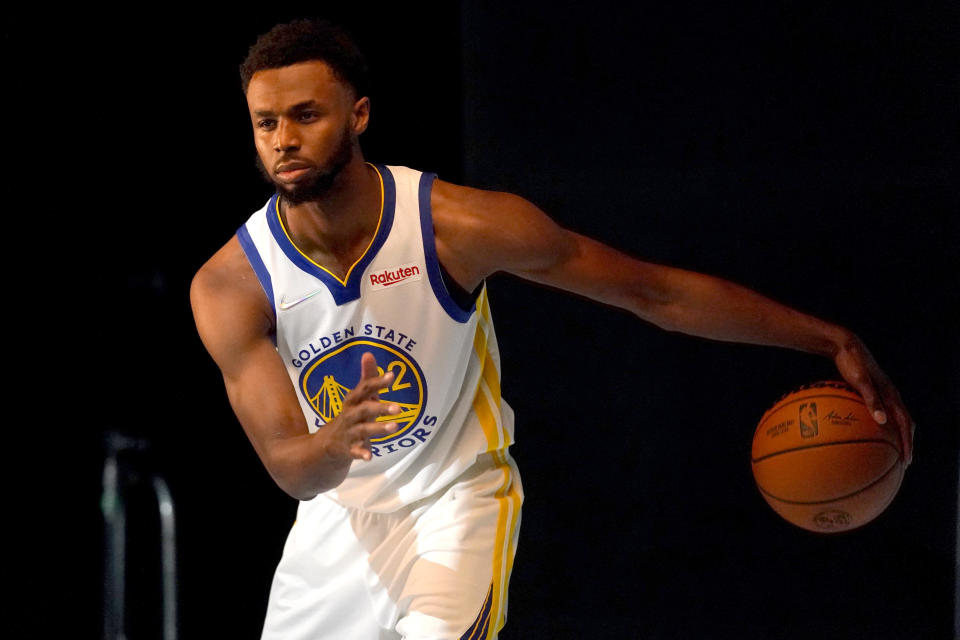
235,323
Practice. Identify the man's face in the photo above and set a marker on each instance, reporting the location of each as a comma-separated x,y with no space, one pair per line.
305,127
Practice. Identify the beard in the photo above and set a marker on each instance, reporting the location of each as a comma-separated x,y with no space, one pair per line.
319,182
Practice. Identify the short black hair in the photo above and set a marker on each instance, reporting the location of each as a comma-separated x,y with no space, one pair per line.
305,40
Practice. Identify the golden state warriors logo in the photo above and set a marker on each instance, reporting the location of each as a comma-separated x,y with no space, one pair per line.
328,379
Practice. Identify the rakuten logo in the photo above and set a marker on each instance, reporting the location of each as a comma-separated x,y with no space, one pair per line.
392,277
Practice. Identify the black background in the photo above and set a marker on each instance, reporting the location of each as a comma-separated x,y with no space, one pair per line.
807,151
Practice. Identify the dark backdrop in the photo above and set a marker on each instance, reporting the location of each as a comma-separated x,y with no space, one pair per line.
807,152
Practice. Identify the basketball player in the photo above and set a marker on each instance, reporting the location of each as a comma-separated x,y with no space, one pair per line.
350,320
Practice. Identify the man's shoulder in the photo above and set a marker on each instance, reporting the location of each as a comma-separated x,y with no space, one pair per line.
227,272
461,205
480,232
230,310
480,214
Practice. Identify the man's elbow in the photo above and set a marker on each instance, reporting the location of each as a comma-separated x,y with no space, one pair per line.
298,492
292,481
301,479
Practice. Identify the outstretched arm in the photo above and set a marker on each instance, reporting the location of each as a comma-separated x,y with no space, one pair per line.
706,306
512,235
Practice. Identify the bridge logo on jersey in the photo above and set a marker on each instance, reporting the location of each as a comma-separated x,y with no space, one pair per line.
329,378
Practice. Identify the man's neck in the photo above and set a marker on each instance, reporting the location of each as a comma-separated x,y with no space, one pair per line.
343,219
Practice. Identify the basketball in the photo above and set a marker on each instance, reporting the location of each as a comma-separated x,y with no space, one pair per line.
822,462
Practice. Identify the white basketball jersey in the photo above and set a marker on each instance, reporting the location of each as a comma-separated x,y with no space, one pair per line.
394,304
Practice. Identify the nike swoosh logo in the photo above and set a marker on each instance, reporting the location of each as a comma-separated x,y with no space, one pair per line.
284,305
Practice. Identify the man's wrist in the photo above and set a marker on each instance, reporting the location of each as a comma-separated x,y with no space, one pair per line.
835,340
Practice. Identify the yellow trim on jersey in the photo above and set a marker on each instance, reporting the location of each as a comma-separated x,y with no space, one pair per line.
487,406
492,379
481,406
346,277
488,370
480,337
490,373
496,435
485,306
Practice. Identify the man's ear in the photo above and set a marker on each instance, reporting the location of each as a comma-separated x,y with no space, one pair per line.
361,115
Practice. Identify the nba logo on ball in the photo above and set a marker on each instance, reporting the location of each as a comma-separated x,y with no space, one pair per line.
822,462
808,419
329,378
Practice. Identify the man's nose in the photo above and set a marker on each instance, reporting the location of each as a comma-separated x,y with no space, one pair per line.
287,137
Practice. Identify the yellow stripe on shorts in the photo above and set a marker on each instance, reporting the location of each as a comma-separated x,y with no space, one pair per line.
504,548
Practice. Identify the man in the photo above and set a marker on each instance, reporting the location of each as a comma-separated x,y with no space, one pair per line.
363,286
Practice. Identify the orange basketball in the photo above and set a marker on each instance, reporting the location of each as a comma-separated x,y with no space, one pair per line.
822,462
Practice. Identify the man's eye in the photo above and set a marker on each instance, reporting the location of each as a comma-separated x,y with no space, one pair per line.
265,124
308,116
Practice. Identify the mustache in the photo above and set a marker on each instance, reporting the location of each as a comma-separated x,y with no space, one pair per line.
288,162
323,177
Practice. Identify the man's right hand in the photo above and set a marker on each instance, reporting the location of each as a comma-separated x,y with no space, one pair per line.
347,437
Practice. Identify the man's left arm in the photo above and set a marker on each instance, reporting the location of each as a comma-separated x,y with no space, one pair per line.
486,232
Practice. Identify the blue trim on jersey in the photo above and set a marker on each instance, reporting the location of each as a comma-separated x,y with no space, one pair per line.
342,293
253,256
430,252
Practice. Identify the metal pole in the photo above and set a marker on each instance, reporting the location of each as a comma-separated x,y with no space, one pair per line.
168,552
118,470
114,556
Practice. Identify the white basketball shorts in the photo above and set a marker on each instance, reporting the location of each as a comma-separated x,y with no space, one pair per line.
437,569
